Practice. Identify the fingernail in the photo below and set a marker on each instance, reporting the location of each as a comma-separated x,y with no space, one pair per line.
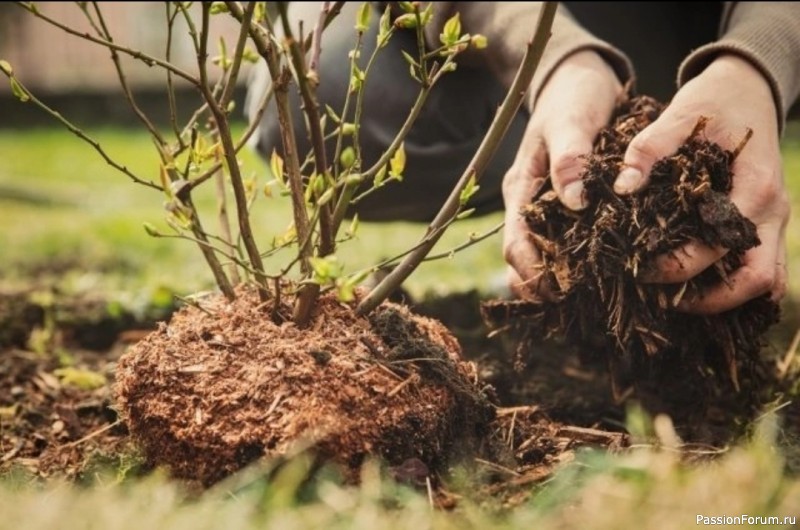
628,181
573,196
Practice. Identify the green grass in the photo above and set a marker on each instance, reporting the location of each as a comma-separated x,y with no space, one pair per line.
646,488
59,202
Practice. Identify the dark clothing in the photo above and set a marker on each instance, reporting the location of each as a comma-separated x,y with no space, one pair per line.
660,38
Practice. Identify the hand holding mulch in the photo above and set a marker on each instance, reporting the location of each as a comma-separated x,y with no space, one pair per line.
594,259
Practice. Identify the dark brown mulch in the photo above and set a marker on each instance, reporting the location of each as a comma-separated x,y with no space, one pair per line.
49,427
678,363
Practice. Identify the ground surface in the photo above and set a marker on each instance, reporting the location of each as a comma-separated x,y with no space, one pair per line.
63,223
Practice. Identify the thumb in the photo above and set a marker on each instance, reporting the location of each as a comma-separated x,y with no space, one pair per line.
658,140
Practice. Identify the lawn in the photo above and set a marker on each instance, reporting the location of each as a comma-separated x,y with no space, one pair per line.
62,205
71,221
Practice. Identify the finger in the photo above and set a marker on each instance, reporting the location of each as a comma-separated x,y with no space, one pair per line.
520,185
656,141
781,272
525,276
682,264
569,142
757,276
535,288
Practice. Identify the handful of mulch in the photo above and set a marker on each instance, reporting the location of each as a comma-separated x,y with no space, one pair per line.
594,257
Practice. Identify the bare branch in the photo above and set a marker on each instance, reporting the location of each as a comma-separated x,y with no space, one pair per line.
480,161
229,150
123,80
74,129
311,109
149,60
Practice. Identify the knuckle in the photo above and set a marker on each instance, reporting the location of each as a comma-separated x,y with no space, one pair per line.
760,280
511,248
567,164
643,147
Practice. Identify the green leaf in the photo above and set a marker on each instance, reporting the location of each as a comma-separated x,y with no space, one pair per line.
451,31
260,12
385,28
82,379
362,18
469,190
353,230
250,56
326,197
345,292
18,91
409,59
465,214
348,129
407,21
354,179
276,166
398,162
408,7
380,176
326,270
5,67
151,230
348,157
330,112
217,8
449,67
479,41
427,14
316,184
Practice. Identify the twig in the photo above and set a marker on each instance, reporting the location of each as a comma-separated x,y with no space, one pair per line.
472,241
497,467
482,157
311,109
94,434
251,128
74,129
229,150
280,80
222,215
136,54
173,107
233,74
788,359
123,80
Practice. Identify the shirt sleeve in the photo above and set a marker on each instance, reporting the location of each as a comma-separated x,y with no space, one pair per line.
508,26
765,33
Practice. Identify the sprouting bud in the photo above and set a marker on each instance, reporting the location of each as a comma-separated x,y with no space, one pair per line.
407,21
5,66
151,230
217,8
313,78
348,157
362,19
479,41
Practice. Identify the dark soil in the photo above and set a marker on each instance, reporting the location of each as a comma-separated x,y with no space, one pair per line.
51,427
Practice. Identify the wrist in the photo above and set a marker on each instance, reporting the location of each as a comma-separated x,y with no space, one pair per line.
733,70
582,67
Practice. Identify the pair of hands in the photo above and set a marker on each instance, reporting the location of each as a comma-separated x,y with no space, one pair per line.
578,101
